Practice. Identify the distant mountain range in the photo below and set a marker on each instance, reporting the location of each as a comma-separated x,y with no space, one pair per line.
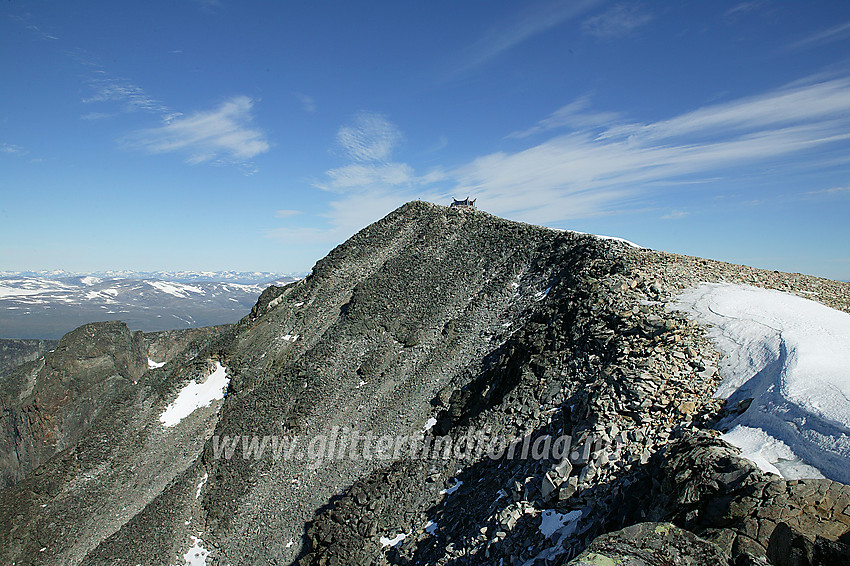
244,277
47,304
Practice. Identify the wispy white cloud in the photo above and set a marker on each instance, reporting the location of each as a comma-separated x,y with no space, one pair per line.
111,89
521,28
369,174
42,34
307,102
441,143
835,33
12,149
743,8
573,115
90,116
370,137
606,166
19,152
587,173
831,192
676,215
620,19
366,188
223,135
800,105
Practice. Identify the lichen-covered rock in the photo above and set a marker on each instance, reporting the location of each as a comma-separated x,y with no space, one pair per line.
650,544
700,482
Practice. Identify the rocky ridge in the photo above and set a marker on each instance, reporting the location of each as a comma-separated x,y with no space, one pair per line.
482,326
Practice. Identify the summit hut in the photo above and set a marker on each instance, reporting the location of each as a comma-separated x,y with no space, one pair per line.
465,203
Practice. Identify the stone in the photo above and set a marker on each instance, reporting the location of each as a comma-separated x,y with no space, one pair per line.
564,468
548,487
686,407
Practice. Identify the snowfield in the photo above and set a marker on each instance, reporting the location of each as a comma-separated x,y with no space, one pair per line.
791,356
196,395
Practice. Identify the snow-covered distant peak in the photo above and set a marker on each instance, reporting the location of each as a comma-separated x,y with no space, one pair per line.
184,276
790,356
23,286
177,289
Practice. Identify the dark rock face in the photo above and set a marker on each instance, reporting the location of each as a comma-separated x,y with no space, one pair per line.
483,329
48,404
125,469
788,547
17,351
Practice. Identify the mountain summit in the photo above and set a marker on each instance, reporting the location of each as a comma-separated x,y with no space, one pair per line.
446,387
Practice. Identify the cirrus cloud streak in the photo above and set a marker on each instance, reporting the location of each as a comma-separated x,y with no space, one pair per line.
603,165
223,135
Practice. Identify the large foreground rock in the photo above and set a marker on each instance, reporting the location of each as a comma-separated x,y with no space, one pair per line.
650,544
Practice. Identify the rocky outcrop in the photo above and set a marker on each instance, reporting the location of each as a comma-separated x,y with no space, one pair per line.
700,482
126,469
48,404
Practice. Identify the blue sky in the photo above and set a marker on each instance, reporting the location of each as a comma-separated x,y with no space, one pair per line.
257,135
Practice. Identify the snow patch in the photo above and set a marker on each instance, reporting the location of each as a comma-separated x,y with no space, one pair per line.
396,540
452,489
201,484
197,554
562,523
196,395
540,295
790,356
429,424
769,454
153,365
601,237
177,289
290,337
431,527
